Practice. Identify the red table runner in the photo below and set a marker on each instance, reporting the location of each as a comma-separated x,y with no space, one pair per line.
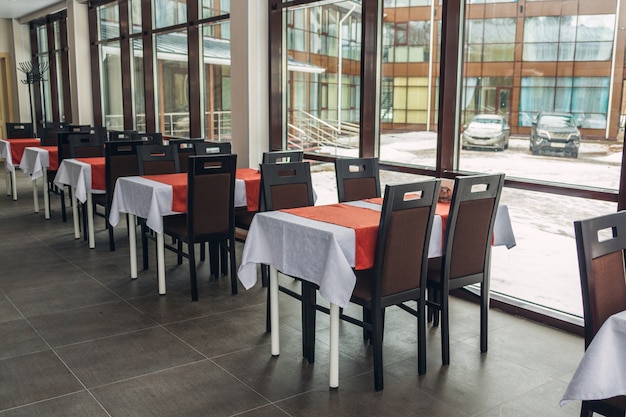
179,188
17,148
364,221
53,156
252,180
98,181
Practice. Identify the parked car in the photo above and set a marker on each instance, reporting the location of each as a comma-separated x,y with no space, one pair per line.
486,131
555,132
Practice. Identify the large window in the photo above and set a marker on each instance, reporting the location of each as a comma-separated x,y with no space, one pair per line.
156,53
49,69
322,81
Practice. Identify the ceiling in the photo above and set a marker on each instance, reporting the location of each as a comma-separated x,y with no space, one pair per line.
14,9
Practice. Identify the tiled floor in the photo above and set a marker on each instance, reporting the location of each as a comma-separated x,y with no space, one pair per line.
78,337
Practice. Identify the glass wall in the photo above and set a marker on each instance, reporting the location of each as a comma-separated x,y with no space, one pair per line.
408,100
159,66
323,77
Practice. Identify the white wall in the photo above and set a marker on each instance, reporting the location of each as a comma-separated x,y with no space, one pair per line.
249,75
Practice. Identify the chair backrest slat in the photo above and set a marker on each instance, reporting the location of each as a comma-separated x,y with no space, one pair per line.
357,178
157,159
85,145
20,130
286,185
278,157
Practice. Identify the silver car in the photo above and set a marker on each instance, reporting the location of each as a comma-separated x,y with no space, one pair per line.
486,131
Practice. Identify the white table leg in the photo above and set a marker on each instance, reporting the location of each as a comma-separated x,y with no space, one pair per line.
8,182
75,214
14,184
92,237
275,334
161,262
35,196
334,346
46,199
132,240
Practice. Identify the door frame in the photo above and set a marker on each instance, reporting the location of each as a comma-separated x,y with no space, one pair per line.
5,84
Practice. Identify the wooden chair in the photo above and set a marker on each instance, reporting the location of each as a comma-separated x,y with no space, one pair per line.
85,145
399,271
20,130
157,159
287,185
357,178
210,213
243,217
600,243
467,251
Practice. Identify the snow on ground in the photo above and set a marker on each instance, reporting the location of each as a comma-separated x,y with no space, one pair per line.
543,266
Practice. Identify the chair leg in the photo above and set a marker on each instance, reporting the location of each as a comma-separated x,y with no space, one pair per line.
224,257
179,251
63,208
445,329
484,315
230,251
421,337
110,227
202,251
144,244
268,322
265,276
214,258
192,271
308,321
377,344
367,318
585,411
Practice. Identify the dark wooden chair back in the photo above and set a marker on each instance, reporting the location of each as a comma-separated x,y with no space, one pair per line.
20,130
600,244
157,159
401,260
85,145
76,128
357,179
50,135
286,185
277,157
211,196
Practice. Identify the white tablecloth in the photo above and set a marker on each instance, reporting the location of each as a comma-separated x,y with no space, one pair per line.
34,161
601,373
76,174
323,253
5,153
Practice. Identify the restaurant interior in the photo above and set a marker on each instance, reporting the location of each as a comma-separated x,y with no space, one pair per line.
124,120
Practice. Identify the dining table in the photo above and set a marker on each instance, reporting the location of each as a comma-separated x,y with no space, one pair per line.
11,150
152,197
85,176
323,245
601,373
35,163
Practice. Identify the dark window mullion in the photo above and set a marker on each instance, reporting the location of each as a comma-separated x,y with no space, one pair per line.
194,61
65,71
125,58
148,64
94,48
51,76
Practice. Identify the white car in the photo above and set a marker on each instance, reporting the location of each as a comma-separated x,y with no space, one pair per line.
486,131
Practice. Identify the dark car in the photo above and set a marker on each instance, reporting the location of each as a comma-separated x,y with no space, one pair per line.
486,131
555,132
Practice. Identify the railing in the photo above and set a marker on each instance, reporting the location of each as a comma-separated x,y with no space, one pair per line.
308,132
177,124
